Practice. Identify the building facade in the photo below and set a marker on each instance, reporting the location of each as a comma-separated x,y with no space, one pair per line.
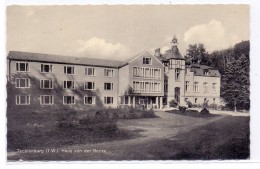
49,82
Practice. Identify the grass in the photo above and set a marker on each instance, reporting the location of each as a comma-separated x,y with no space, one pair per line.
192,113
225,138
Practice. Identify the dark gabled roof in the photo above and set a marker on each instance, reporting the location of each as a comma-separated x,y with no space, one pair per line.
173,53
27,56
198,70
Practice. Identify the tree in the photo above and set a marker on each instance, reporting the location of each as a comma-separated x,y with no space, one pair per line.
197,54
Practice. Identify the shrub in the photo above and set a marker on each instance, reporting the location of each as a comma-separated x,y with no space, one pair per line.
213,106
204,111
182,108
148,114
115,115
189,104
173,103
205,104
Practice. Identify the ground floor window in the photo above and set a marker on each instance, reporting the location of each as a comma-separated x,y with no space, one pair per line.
46,99
164,100
89,100
196,99
108,100
68,100
22,99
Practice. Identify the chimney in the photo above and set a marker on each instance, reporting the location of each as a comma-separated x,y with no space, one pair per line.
158,52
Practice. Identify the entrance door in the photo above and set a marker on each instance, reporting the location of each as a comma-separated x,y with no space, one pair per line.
177,94
143,102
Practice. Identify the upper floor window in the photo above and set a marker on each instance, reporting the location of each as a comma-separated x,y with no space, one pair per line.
22,83
196,86
145,72
166,85
90,71
205,87
69,70
108,100
68,84
22,99
214,87
206,71
68,100
108,86
46,84
147,61
46,99
89,100
46,68
109,72
89,86
187,86
177,74
22,67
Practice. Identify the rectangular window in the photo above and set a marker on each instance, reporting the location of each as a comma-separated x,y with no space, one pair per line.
109,72
205,87
187,86
214,87
46,68
22,83
46,84
108,100
108,86
196,87
90,71
89,100
46,99
68,100
69,70
166,85
147,61
22,99
177,74
89,86
68,84
22,67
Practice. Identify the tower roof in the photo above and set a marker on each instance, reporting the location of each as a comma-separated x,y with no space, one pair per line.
174,52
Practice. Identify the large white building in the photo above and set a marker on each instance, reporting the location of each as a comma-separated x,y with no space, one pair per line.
42,81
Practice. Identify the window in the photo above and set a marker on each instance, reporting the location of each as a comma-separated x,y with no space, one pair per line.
196,99
166,85
22,83
46,99
145,72
89,100
68,84
108,100
214,100
205,87
22,67
68,100
214,88
22,99
147,61
46,68
196,87
69,70
187,86
46,84
89,86
146,87
164,101
205,71
90,71
177,74
109,72
108,86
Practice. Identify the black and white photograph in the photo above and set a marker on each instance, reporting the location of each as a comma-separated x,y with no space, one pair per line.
128,82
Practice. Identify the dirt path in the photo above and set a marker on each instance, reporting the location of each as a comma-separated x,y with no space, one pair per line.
153,130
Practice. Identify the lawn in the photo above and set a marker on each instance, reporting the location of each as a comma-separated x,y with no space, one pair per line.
171,137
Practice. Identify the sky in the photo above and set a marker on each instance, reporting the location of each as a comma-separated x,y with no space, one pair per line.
119,32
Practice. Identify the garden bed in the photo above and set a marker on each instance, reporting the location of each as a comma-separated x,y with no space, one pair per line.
192,113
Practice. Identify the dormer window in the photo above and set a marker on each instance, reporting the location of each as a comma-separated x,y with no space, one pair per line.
147,61
205,71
